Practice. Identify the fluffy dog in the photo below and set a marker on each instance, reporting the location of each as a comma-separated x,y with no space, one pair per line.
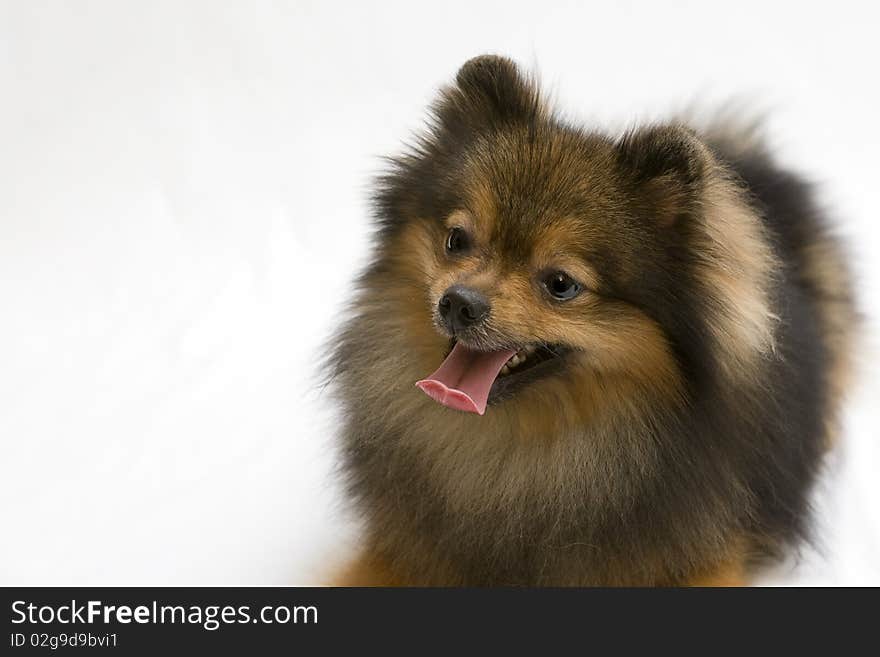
580,359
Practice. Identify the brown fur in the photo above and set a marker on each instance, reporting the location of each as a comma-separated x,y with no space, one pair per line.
647,459
827,273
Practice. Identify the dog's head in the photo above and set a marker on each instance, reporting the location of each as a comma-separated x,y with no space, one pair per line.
542,254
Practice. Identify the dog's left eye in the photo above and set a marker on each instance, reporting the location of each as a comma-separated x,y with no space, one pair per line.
562,286
456,240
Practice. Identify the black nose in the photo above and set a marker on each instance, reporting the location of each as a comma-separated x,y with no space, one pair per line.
462,307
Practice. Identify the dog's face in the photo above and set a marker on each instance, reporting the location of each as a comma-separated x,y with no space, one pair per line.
523,271
535,250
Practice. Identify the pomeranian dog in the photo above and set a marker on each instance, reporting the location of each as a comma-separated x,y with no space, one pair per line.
579,359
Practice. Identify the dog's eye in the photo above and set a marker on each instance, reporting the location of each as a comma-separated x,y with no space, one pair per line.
561,286
456,240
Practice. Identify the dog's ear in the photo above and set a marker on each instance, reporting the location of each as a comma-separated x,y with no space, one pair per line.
489,92
668,165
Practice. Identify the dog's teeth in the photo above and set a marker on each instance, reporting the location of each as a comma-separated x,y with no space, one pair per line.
505,370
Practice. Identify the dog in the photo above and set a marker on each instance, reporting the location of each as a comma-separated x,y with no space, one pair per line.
580,359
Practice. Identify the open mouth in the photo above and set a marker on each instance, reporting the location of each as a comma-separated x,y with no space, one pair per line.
468,380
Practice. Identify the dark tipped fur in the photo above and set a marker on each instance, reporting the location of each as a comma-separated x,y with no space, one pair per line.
687,450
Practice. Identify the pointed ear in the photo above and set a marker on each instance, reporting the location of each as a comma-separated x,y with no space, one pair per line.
489,91
668,166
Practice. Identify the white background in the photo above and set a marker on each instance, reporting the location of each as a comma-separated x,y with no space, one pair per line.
183,206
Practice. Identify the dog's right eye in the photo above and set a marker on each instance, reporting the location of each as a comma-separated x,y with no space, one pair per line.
456,240
561,286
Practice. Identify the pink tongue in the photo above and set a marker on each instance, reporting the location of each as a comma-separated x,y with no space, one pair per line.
464,379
